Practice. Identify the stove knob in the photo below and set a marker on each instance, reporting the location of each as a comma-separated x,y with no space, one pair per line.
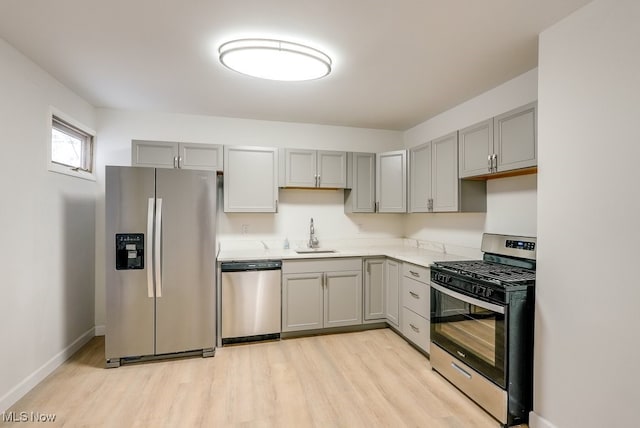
489,292
480,290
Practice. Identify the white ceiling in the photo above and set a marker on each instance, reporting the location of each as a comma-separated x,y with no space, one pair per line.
396,62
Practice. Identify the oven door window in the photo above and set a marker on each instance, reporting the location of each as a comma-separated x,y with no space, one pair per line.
473,334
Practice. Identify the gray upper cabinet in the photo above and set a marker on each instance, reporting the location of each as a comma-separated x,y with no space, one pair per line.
313,168
504,143
515,139
475,149
360,194
391,182
166,154
250,179
433,179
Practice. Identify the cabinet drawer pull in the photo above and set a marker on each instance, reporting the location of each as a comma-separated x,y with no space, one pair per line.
416,274
460,370
414,295
416,329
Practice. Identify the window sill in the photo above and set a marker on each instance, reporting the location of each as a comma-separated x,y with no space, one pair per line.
61,169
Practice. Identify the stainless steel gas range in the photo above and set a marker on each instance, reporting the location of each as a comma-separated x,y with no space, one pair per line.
482,315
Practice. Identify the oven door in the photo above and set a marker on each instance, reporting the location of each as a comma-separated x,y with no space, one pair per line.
470,329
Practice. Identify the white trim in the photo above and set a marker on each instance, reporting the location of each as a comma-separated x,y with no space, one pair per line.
100,330
21,389
62,169
536,421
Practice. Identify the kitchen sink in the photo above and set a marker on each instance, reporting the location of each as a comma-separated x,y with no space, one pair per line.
314,250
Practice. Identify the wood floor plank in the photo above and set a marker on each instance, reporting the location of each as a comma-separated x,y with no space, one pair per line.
364,379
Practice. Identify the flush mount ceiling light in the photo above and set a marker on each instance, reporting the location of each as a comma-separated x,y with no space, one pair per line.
274,59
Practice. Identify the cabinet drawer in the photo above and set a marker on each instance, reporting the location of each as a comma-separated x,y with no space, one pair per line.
416,272
415,296
416,329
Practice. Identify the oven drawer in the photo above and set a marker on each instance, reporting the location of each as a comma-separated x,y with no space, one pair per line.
415,296
488,395
416,329
416,272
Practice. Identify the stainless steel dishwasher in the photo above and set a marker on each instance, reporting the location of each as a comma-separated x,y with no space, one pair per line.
251,301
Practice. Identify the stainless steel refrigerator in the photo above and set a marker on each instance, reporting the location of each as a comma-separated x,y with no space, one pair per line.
160,263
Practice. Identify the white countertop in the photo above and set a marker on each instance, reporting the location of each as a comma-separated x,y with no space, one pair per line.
398,249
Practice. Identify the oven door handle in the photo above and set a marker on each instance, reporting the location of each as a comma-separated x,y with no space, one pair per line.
485,305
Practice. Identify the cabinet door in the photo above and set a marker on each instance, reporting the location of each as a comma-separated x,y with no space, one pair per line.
250,179
475,147
445,173
157,154
332,169
374,289
300,168
302,301
420,173
391,181
360,195
515,139
343,298
200,156
392,292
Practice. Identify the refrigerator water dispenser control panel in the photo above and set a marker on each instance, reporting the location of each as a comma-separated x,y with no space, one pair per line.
129,251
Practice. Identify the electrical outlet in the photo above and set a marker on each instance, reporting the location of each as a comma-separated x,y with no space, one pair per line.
245,229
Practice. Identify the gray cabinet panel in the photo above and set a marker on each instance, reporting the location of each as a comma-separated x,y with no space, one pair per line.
392,292
343,298
157,154
200,156
391,181
475,145
303,301
416,329
300,168
445,173
332,169
250,179
374,289
515,142
360,195
420,178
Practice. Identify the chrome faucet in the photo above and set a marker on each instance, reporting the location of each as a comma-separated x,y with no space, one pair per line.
313,241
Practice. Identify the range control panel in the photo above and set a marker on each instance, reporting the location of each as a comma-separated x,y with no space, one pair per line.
129,251
521,245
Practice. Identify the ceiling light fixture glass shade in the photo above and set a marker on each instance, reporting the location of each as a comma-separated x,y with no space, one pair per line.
274,59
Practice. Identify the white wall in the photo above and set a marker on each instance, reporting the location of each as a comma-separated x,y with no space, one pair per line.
48,223
116,129
511,202
587,340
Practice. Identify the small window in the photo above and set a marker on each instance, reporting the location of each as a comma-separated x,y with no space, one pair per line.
71,148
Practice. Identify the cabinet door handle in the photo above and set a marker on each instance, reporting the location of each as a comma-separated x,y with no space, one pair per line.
490,162
276,206
414,295
175,161
179,161
414,328
416,274
495,162
318,185
377,207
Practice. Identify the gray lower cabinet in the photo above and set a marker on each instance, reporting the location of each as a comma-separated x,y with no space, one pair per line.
504,143
392,273
415,299
360,194
321,294
313,168
166,154
250,179
374,290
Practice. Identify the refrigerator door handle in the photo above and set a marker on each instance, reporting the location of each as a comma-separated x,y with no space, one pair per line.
147,254
157,248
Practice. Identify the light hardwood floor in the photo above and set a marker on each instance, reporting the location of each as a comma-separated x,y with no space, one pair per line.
365,379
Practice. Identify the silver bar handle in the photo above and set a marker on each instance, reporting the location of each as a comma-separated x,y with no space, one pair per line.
495,162
157,249
175,161
318,185
467,299
460,370
414,273
376,208
276,206
490,162
416,329
148,260
414,295
180,163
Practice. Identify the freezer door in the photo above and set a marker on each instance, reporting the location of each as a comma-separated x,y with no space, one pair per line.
185,306
129,208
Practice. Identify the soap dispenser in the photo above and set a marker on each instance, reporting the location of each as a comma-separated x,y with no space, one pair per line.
286,243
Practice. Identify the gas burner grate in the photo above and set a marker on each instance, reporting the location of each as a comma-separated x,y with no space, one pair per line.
496,272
